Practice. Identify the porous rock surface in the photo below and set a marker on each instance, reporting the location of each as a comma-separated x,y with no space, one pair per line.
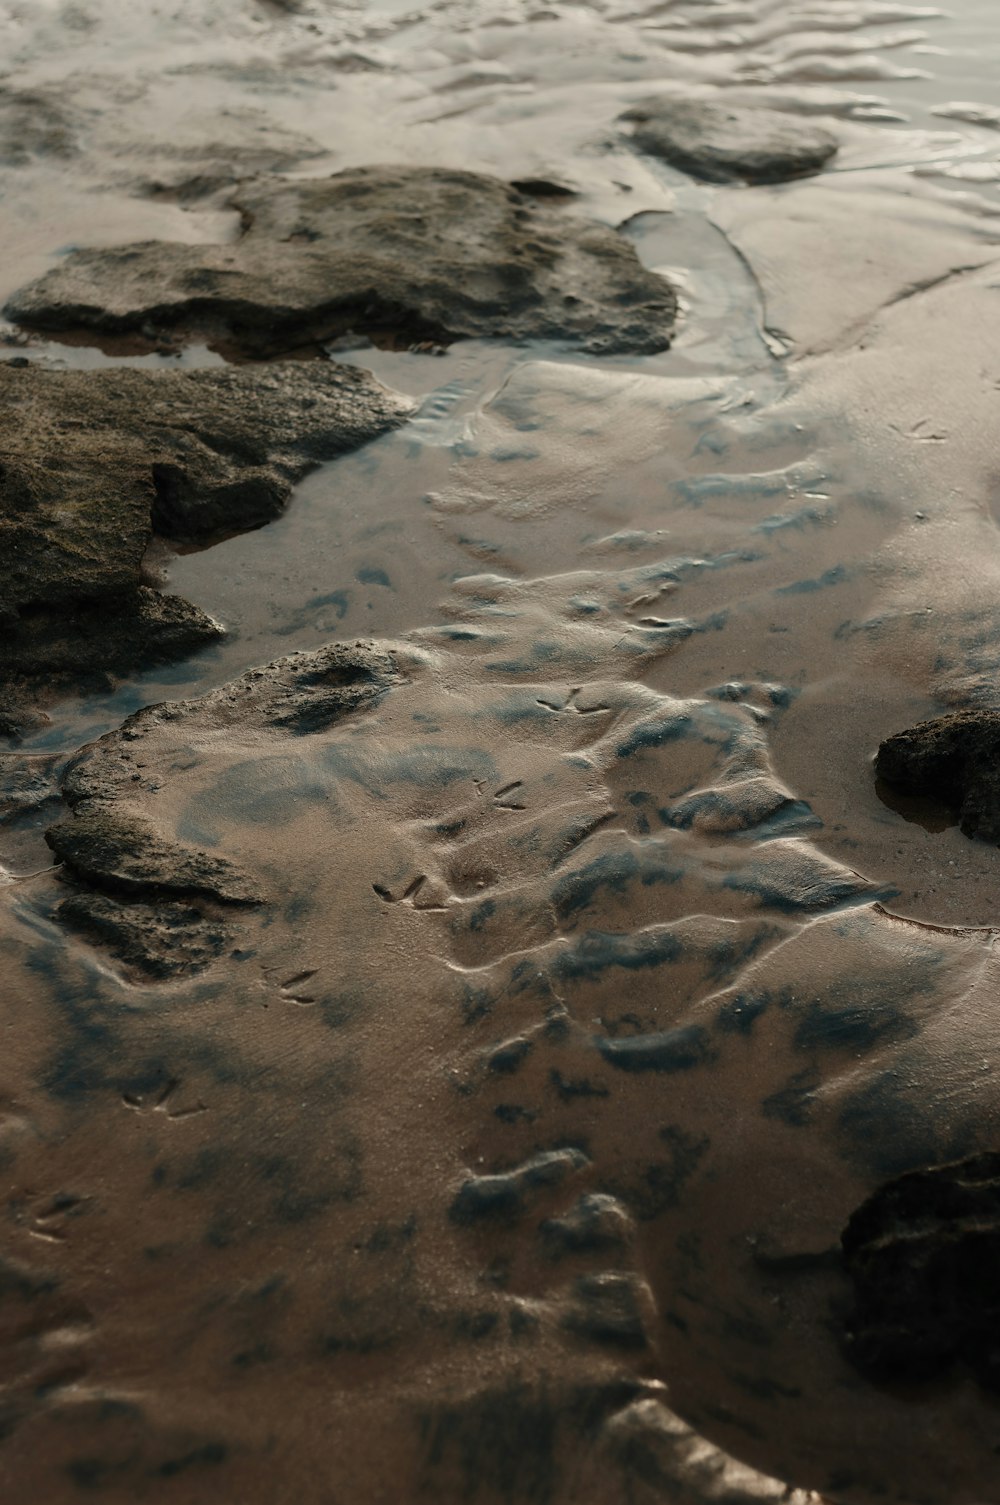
94,462
126,854
725,143
162,908
411,253
953,760
924,1257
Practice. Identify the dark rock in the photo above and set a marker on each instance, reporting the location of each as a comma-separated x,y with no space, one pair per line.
924,1256
95,461
157,941
954,761
410,254
503,1196
124,853
725,143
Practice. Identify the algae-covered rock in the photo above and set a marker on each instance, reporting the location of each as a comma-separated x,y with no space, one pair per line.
725,143
407,253
94,462
953,760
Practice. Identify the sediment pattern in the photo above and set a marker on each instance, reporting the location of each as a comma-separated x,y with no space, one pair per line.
508,1053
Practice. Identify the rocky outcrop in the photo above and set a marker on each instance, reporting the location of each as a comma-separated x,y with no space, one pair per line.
160,908
403,254
94,462
163,908
124,853
954,761
924,1256
725,143
302,693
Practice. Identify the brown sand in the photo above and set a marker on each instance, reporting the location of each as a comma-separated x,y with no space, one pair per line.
503,1151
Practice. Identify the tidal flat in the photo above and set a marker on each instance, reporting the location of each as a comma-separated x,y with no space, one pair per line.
482,1020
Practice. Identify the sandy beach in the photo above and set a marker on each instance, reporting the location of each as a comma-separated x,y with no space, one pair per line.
478,487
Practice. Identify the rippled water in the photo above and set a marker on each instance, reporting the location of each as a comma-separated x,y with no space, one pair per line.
656,615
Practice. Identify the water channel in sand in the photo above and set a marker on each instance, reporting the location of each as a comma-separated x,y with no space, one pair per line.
601,896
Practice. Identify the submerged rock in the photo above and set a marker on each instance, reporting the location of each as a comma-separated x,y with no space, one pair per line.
725,143
408,253
924,1256
95,462
302,693
955,761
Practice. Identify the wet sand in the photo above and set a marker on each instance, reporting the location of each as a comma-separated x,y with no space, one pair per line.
495,1142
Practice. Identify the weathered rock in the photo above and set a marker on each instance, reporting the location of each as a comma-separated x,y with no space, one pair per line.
408,254
924,1256
955,761
608,1308
156,941
160,907
188,453
726,143
302,693
123,853
95,461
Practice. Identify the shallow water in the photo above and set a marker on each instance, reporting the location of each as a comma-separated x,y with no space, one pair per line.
655,616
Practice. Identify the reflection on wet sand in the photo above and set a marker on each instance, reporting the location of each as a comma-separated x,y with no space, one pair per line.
444,1065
